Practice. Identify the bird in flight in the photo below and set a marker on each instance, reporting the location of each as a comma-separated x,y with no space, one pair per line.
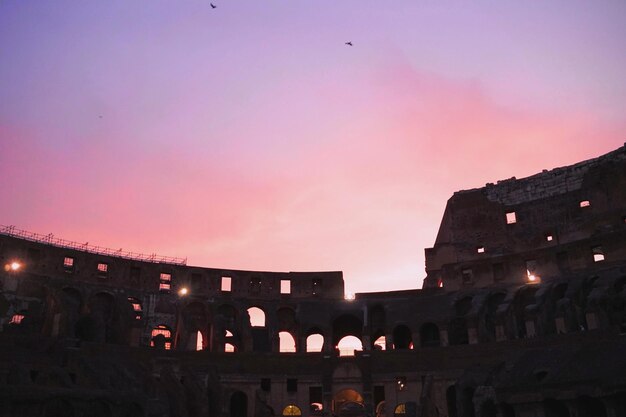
213,6
349,43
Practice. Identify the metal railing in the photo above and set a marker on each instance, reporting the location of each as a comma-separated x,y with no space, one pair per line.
85,247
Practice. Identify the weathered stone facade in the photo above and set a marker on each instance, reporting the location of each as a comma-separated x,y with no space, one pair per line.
525,319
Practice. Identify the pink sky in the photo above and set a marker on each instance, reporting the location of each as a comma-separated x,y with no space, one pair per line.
250,137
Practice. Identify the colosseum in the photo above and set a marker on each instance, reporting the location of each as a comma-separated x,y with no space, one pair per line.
522,314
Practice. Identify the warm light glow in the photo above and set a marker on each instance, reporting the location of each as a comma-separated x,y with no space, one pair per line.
292,410
532,278
349,296
15,266
183,291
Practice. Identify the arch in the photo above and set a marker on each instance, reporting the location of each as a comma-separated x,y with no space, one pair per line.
346,325
467,402
161,337
287,342
238,404
72,298
429,335
292,410
402,338
257,317
348,345
400,410
86,329
555,408
381,409
451,401
524,298
348,403
230,348
380,343
314,342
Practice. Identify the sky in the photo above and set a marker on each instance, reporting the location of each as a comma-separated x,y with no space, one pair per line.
250,136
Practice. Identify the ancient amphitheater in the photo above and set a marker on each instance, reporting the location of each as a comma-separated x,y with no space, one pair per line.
522,313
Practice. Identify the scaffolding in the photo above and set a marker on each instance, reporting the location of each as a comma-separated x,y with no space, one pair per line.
49,239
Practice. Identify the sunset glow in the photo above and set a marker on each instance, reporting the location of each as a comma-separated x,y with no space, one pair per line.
250,136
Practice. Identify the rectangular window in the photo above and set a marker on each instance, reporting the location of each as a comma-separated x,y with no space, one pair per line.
103,268
165,282
585,203
226,284
480,249
292,385
68,262
511,218
285,286
467,276
549,238
598,254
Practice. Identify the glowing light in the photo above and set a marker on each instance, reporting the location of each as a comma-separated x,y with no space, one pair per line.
349,296
183,291
13,266
532,278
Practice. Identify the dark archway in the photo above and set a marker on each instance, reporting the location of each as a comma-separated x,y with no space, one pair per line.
402,338
429,335
451,401
238,405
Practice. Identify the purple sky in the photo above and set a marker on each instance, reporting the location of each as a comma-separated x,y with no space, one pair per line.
249,136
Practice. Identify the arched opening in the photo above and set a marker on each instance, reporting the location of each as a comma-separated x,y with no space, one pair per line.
257,317
292,410
400,410
381,409
161,337
467,402
348,345
229,348
199,341
590,407
238,405
554,408
316,408
451,401
380,343
314,342
429,335
347,325
348,403
525,297
402,337
287,342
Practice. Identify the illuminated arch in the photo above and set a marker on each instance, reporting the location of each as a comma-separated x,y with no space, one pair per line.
315,342
348,345
257,317
161,336
287,342
292,410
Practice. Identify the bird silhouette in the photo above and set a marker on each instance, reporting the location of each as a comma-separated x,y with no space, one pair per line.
213,6
349,43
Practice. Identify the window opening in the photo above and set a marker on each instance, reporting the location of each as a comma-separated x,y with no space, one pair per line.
226,284
285,286
165,282
598,254
585,203
511,217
